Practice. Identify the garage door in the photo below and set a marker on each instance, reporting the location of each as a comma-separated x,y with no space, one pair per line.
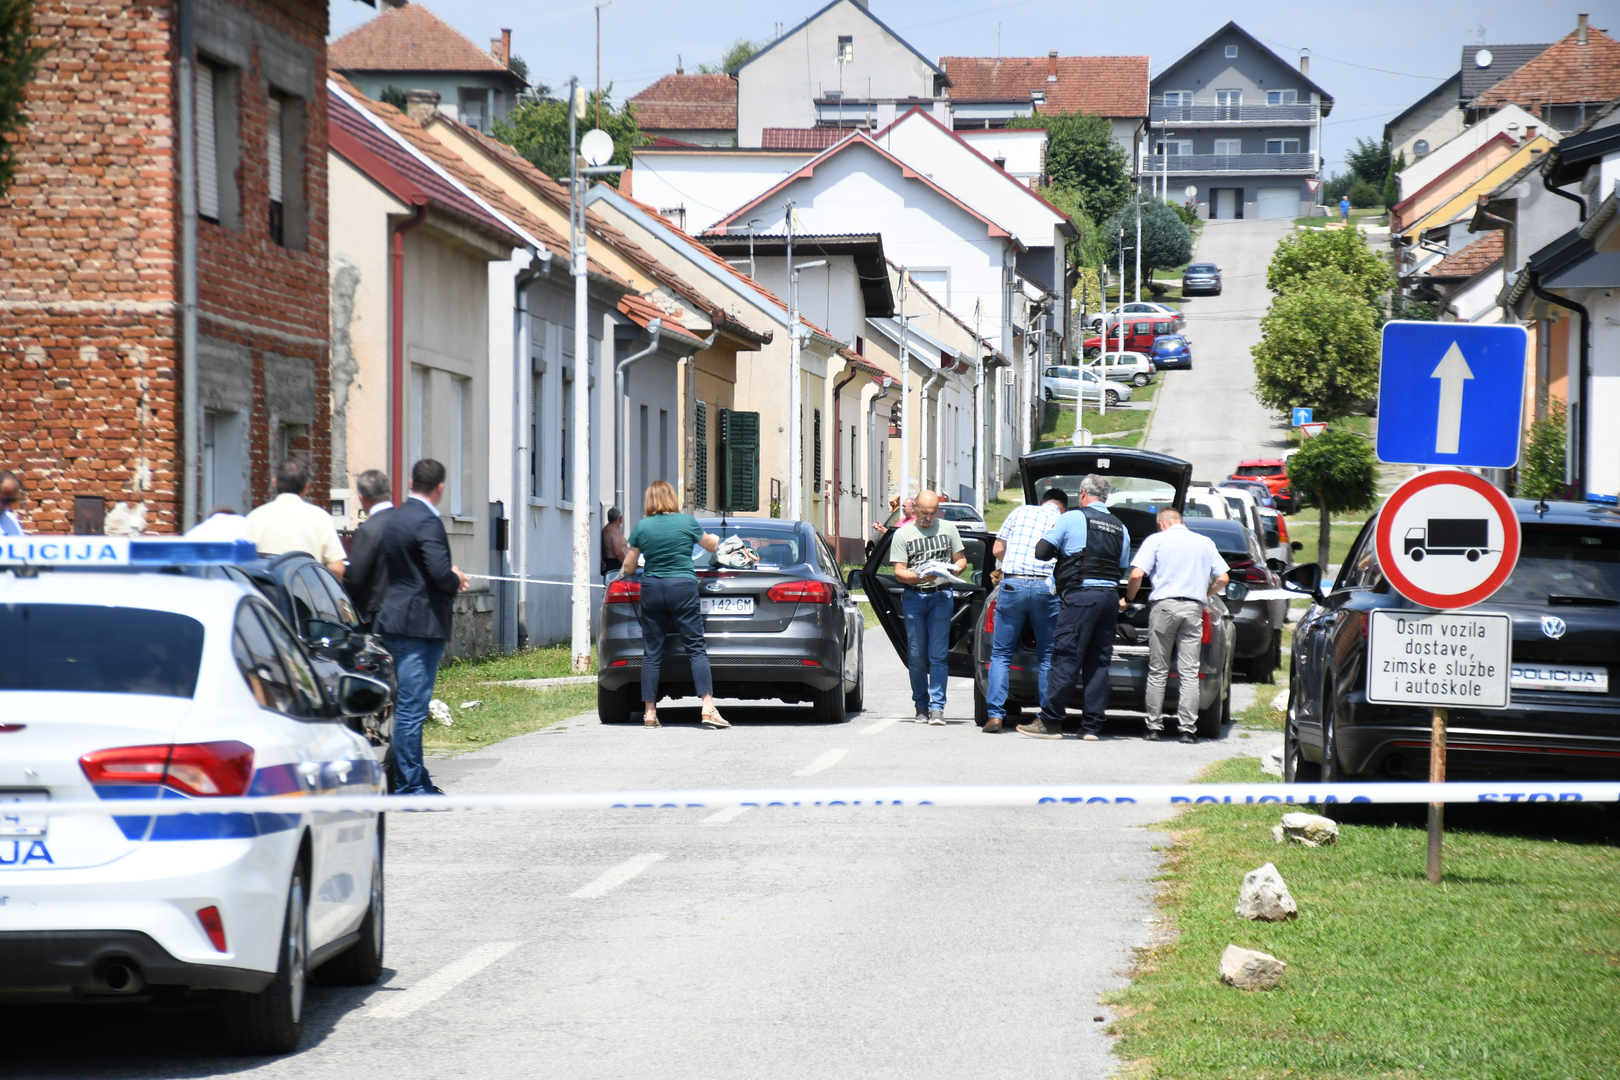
1279,202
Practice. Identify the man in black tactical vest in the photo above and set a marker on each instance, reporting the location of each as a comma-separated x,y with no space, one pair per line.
1092,550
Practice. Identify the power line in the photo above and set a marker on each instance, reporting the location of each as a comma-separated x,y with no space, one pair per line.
1364,67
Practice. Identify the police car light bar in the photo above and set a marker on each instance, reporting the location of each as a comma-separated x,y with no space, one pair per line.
100,551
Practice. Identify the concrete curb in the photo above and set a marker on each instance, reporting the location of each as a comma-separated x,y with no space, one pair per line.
542,684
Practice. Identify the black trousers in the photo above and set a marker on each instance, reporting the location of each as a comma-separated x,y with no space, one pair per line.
671,604
1081,651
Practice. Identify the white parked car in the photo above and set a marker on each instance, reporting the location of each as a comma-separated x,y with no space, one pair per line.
1070,382
1129,367
1097,319
1206,502
132,686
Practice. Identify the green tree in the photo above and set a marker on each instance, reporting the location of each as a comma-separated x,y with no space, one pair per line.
19,60
1082,156
1336,187
1364,196
393,95
1391,187
1541,467
1338,475
1298,256
539,131
1369,161
1318,347
1087,247
1165,240
742,50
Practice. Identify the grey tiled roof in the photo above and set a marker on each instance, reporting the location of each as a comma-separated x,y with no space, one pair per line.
1505,60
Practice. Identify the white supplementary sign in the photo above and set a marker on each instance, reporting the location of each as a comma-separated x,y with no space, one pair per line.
65,551
1439,659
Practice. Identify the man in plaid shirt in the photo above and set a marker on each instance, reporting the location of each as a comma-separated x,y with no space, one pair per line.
1026,594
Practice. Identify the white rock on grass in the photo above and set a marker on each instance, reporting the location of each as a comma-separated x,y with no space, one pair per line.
439,711
1265,896
1311,830
1272,764
1248,969
1280,702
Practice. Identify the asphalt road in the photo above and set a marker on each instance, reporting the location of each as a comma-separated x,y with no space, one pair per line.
687,943
1209,415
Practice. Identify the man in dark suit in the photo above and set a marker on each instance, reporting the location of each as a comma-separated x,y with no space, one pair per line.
367,576
414,617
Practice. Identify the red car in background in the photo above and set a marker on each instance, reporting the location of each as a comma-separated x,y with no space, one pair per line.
1140,332
1273,472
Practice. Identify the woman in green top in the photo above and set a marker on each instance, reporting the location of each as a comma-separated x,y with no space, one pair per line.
669,596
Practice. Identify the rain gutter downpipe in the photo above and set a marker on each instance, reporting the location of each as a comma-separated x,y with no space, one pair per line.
935,379
838,457
522,380
190,395
883,385
396,363
1577,437
655,329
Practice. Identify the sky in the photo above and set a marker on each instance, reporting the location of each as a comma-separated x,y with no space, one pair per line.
1375,57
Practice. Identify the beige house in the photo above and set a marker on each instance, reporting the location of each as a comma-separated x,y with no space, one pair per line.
409,257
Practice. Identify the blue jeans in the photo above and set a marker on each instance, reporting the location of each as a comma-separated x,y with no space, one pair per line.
416,668
671,604
928,641
1020,600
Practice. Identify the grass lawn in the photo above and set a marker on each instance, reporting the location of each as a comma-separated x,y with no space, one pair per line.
1261,716
1360,424
1509,969
1344,534
506,710
1369,218
1121,426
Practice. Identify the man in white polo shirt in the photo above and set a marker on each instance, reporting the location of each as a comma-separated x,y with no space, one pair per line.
1186,571
288,523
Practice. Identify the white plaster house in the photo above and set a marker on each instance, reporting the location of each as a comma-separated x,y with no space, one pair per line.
1021,152
841,67
1510,120
694,188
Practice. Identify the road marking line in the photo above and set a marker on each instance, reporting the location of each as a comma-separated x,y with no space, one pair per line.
441,982
616,877
730,813
873,729
825,761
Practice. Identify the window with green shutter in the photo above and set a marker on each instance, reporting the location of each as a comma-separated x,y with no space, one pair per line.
700,458
739,460
815,454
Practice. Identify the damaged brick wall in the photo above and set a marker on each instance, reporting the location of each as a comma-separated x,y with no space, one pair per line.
89,249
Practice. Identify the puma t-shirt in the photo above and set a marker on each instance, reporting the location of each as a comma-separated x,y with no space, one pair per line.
915,545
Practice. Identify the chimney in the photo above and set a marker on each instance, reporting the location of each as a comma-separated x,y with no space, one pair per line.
420,105
678,69
1051,66
506,46
1580,29
1305,62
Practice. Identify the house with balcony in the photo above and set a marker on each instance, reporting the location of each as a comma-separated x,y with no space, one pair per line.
1238,127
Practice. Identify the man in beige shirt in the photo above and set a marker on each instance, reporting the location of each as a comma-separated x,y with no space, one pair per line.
288,523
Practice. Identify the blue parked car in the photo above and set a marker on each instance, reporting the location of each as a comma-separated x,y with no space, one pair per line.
1171,351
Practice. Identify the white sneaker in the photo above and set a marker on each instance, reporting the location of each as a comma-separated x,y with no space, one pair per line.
936,719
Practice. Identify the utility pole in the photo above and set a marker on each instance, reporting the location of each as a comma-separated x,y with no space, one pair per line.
978,410
905,396
1138,201
599,7
794,449
580,638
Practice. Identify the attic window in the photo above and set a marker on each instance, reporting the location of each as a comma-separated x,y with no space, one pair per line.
1231,52
1037,97
846,49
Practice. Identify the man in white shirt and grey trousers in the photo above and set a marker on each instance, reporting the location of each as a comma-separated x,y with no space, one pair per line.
1186,571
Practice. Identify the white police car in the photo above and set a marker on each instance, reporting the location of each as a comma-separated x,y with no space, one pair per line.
126,687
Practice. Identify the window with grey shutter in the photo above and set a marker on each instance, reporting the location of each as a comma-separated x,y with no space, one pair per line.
700,457
739,456
207,145
458,455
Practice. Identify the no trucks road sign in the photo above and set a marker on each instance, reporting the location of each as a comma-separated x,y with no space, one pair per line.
1447,539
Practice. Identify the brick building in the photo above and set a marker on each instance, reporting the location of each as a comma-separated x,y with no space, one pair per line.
91,260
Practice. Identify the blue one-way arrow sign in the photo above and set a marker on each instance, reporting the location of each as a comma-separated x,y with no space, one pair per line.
1451,394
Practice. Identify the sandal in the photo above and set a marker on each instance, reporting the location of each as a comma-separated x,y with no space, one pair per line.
713,719
651,721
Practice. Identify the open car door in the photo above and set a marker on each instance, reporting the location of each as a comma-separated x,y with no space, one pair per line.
884,593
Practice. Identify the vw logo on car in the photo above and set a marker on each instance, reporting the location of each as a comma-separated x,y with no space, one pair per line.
1553,626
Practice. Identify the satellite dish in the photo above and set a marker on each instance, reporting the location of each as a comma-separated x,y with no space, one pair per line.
1192,191
596,147
1483,58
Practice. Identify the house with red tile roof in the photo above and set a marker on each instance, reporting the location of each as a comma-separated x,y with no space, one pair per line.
1566,82
1237,129
699,110
987,91
842,67
407,47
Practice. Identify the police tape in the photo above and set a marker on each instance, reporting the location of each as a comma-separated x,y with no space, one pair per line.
534,581
1031,795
